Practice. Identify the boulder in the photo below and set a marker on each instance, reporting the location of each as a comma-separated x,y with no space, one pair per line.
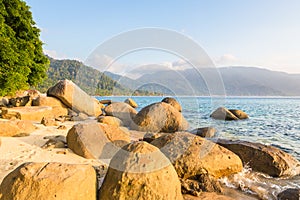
47,101
223,114
206,132
107,102
173,102
262,158
192,155
239,114
34,113
96,141
58,141
289,194
11,128
49,122
159,117
121,110
140,171
20,101
149,137
131,102
200,183
75,98
80,117
4,102
110,120
47,181
57,106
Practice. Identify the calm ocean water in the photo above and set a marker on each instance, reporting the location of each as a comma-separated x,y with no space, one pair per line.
272,121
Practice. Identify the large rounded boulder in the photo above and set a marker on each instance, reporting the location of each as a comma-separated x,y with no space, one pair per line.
140,171
159,117
264,158
47,181
192,155
95,140
173,102
121,110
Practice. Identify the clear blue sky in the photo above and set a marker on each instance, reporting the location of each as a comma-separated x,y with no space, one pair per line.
263,33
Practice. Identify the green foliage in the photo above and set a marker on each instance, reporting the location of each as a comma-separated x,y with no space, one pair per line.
87,78
22,62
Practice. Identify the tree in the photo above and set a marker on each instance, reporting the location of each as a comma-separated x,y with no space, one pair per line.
22,62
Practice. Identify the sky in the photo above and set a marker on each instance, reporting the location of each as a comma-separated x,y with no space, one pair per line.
258,33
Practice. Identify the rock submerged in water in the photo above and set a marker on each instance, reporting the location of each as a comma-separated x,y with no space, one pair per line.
75,98
192,155
159,117
262,158
140,171
95,140
50,181
228,115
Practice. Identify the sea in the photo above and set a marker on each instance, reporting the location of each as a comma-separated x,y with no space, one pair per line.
272,121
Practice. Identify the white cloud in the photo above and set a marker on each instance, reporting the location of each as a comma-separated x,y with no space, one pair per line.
226,60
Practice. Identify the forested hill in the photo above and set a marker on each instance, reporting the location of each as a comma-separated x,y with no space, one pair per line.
87,78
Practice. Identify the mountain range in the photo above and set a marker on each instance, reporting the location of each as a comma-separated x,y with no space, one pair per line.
231,81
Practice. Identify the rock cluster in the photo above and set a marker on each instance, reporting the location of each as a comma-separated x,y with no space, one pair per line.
169,162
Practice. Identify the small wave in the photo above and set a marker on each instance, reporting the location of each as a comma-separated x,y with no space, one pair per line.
258,184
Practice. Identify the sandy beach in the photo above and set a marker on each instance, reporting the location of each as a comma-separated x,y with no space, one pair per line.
15,151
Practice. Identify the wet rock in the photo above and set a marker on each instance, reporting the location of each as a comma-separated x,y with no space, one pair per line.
50,181
239,114
205,132
75,98
173,102
110,120
131,102
262,158
289,194
16,128
200,183
49,122
140,171
121,110
96,141
192,155
223,114
159,117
